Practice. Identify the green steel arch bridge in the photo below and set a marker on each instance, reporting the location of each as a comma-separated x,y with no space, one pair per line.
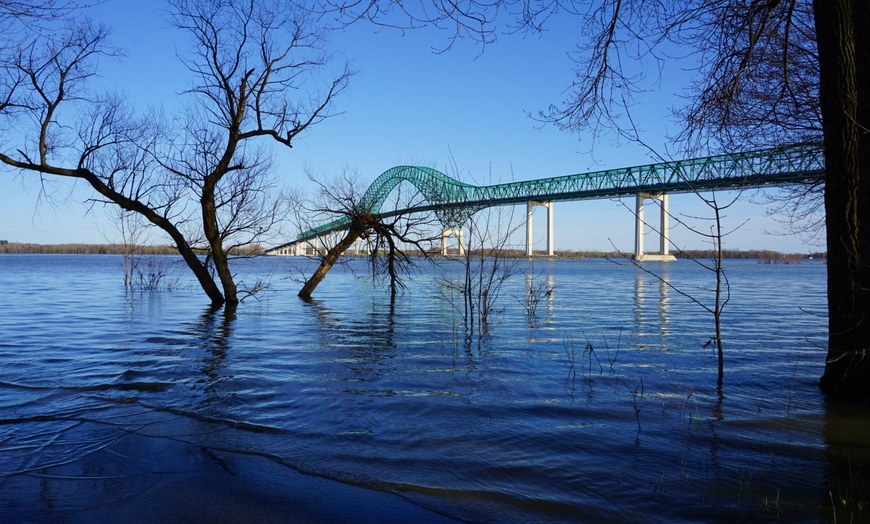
454,201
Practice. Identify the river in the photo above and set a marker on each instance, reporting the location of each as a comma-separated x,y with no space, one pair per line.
598,403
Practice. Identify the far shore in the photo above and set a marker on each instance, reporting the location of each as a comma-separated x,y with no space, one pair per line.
7,247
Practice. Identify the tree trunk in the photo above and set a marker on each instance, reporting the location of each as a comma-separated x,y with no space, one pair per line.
213,235
717,306
842,43
329,260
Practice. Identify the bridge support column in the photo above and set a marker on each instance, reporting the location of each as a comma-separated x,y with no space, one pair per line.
310,248
324,244
529,216
447,233
663,254
360,244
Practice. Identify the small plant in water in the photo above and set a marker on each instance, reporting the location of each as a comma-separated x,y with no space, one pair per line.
535,293
591,350
771,506
612,359
657,483
155,276
638,392
568,344
849,500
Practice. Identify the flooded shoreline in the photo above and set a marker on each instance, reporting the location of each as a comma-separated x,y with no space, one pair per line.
603,405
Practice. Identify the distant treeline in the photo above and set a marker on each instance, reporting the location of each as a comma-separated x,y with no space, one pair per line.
82,249
97,249
764,255
120,249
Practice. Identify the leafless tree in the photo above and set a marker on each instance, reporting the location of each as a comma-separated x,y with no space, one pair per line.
773,71
205,179
762,89
713,236
486,256
487,264
131,230
19,16
393,240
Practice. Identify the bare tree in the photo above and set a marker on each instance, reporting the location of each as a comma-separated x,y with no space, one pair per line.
714,236
203,180
844,50
761,89
18,16
393,240
487,264
131,231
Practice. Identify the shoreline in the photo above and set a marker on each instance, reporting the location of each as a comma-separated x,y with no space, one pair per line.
15,248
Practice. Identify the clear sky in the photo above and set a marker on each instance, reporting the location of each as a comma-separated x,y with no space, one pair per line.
409,105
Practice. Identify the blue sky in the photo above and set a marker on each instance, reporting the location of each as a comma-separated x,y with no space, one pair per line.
408,105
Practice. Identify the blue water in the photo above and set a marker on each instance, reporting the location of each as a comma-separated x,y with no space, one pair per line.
602,404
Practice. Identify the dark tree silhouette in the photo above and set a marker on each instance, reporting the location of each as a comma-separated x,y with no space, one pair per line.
204,180
392,241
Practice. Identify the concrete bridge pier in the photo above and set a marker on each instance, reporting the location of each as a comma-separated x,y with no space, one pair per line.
332,239
362,243
663,254
325,242
529,215
447,233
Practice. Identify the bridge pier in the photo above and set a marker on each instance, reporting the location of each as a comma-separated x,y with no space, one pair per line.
663,254
447,233
364,242
330,240
529,215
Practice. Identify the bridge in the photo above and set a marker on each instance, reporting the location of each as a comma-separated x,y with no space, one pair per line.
454,201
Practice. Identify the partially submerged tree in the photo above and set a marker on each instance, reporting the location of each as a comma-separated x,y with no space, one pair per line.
844,52
488,262
392,239
131,230
713,236
205,180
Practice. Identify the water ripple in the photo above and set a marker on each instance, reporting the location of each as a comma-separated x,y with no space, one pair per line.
603,405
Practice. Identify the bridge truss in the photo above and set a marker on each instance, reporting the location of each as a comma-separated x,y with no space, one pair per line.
453,199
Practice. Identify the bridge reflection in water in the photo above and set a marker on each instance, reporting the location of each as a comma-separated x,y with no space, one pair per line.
652,308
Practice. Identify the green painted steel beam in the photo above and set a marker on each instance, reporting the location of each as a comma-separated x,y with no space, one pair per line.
776,166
